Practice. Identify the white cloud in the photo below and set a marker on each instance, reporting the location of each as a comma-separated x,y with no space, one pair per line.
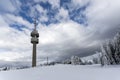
103,18
39,8
4,5
63,15
54,3
61,39
10,56
42,12
103,22
79,3
104,12
13,5
10,19
58,39
12,42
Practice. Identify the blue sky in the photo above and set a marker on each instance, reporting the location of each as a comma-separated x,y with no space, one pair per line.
66,27
75,14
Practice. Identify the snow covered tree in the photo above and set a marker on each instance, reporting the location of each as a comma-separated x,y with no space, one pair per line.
102,59
75,60
67,61
117,48
95,60
111,50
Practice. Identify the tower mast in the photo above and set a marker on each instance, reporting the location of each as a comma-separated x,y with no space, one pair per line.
34,41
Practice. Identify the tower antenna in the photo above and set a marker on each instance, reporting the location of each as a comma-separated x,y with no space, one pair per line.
35,23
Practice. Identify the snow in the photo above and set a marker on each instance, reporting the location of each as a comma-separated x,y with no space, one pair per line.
64,72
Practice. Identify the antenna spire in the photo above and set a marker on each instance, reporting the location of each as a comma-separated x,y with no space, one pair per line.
35,23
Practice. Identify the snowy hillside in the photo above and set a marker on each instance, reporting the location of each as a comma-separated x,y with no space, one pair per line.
64,72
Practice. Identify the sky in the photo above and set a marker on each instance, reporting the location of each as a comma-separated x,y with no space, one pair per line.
66,27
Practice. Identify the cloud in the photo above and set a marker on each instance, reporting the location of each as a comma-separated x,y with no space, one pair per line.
64,39
12,19
43,17
13,6
63,15
103,17
4,6
74,39
12,41
79,3
54,3
104,12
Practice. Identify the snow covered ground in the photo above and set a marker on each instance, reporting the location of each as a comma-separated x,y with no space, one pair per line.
64,72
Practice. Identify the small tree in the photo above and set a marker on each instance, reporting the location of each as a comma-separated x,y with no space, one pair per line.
95,60
102,59
75,60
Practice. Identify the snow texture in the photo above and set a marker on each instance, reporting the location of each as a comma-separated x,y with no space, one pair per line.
64,72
